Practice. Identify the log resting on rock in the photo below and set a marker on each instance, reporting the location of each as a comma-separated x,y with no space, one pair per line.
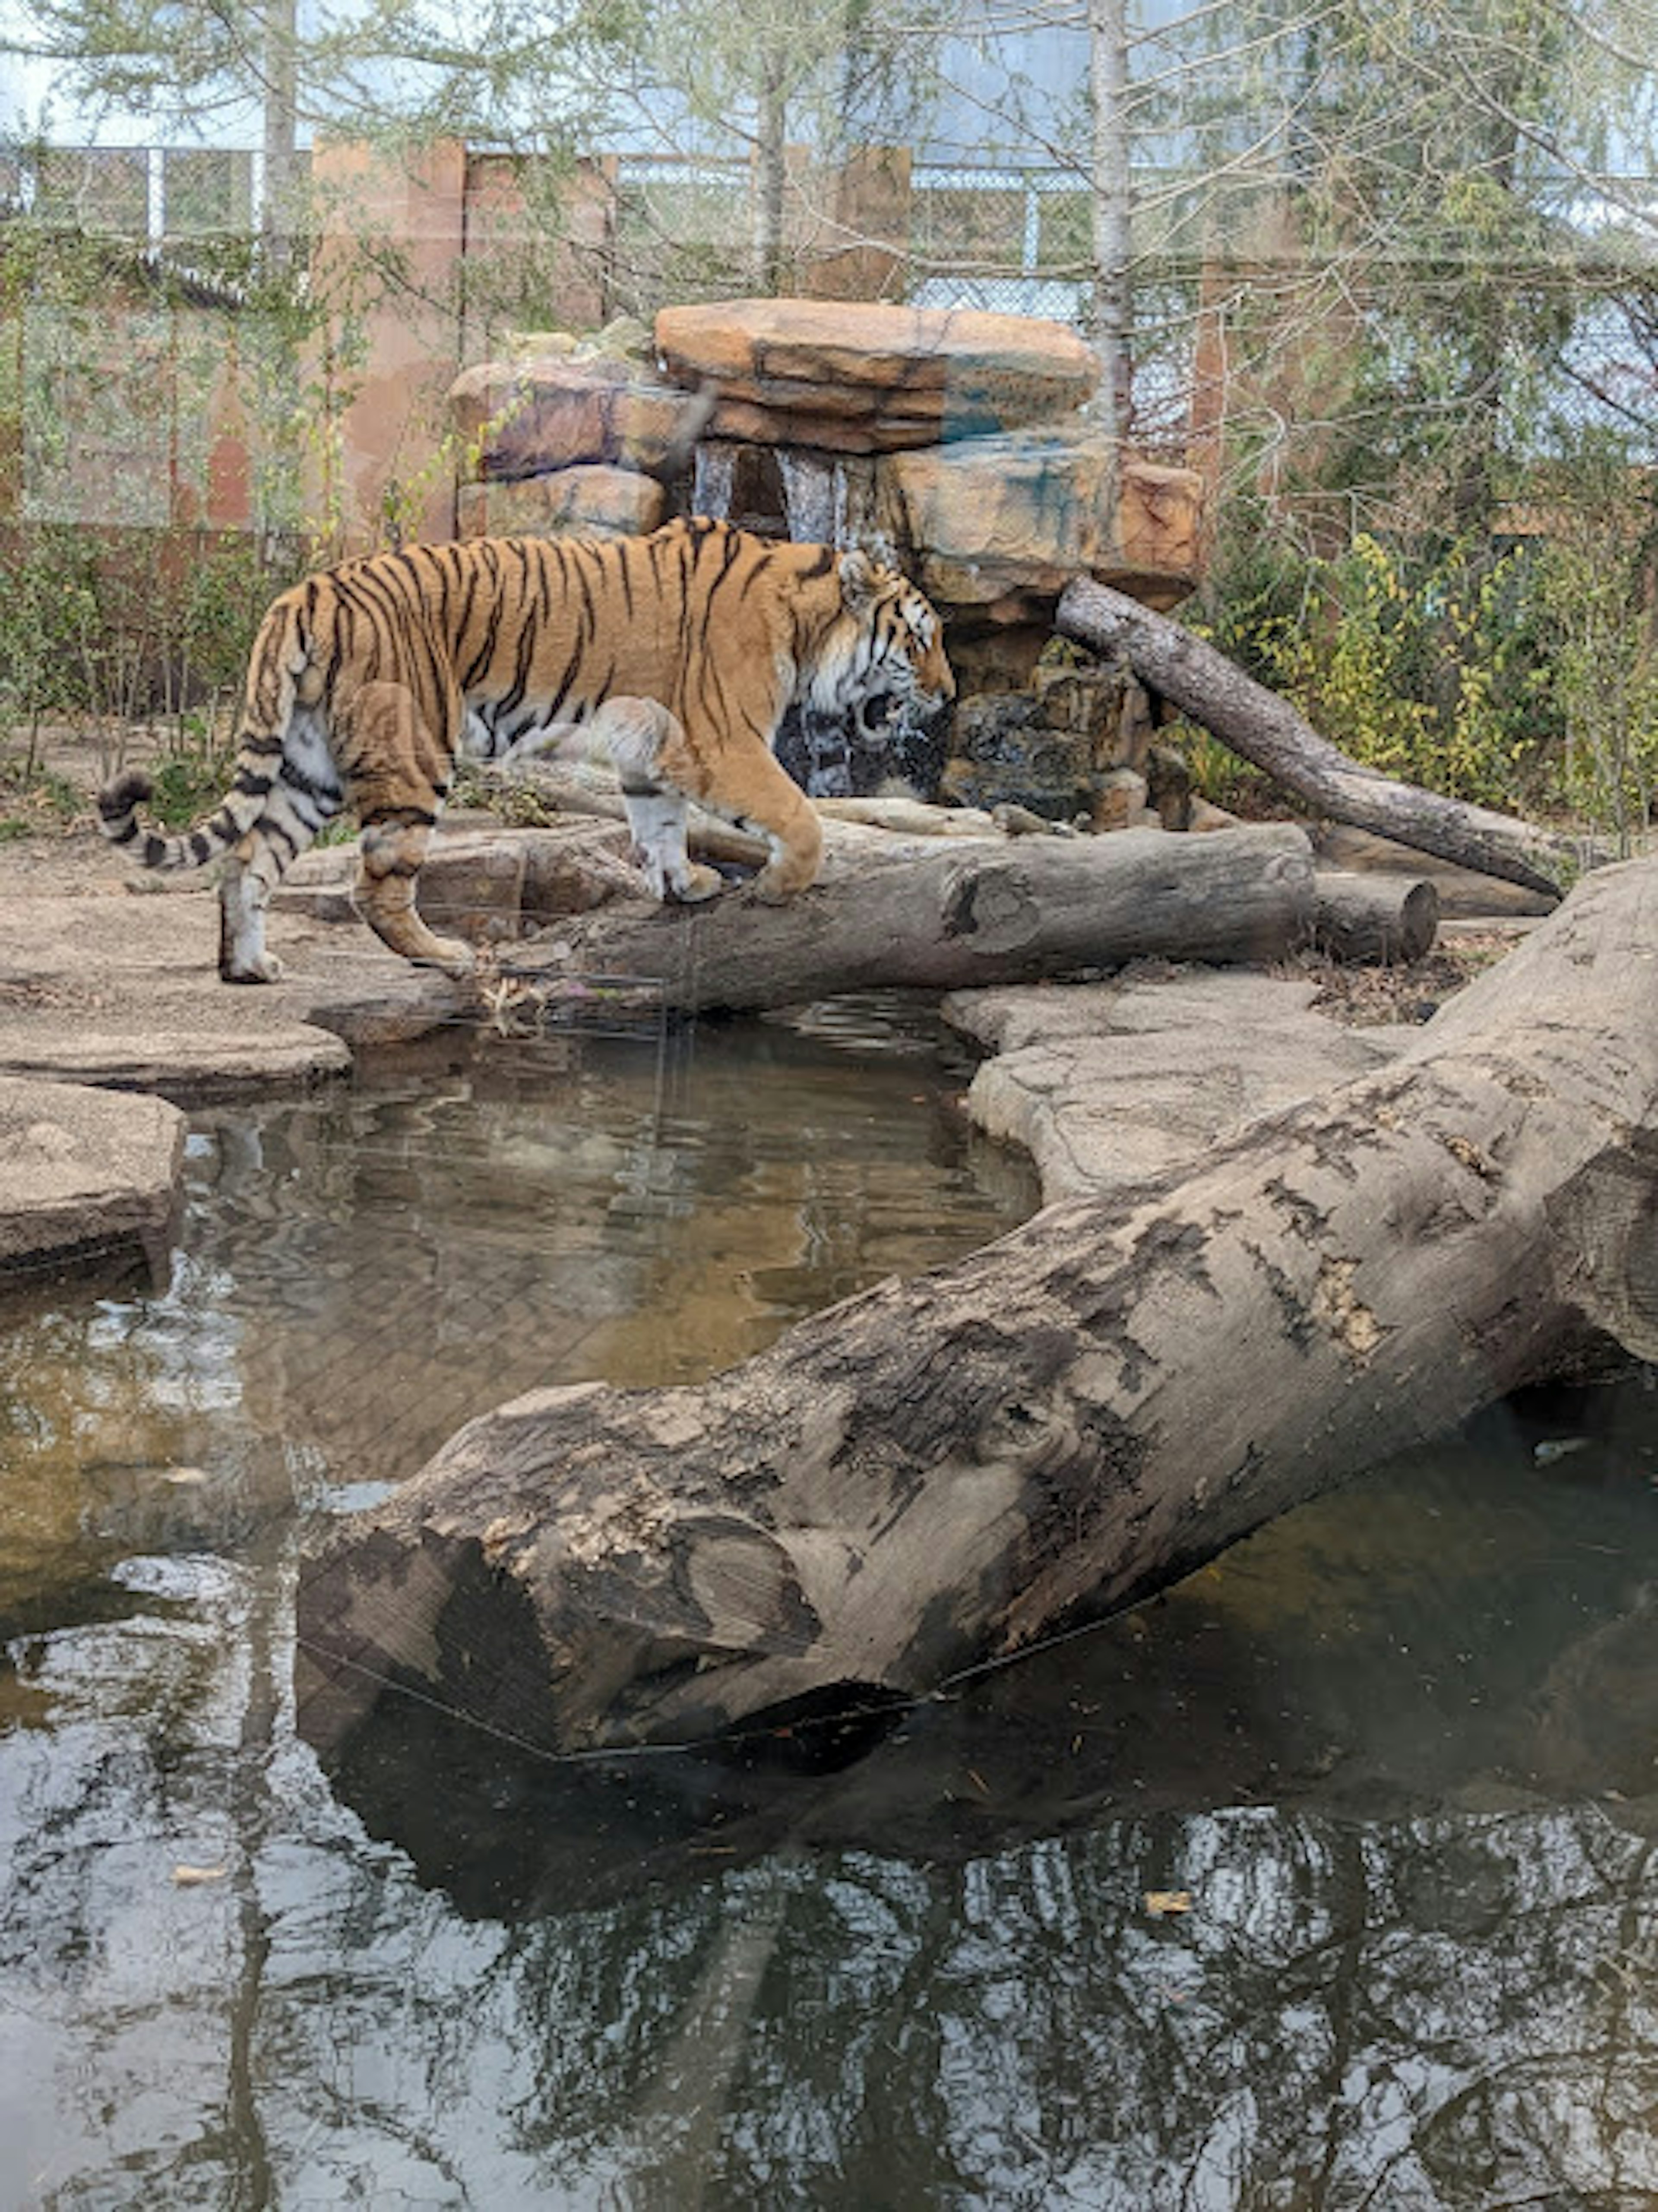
946,913
939,1473
1267,730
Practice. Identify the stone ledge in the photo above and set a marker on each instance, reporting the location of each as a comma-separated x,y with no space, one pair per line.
872,377
84,1171
1105,1084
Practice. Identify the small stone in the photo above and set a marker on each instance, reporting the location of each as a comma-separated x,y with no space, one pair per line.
1017,821
1119,799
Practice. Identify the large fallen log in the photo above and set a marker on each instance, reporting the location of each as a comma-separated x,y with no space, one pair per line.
1265,729
946,914
939,1473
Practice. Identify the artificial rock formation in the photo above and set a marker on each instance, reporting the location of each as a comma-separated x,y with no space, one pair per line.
960,438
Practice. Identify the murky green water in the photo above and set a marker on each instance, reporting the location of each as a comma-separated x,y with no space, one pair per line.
1400,1751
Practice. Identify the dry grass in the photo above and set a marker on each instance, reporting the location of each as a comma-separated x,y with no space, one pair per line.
1371,997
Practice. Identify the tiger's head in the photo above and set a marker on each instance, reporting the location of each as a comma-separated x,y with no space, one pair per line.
881,661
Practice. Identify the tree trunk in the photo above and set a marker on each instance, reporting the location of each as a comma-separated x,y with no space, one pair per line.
280,100
1111,316
771,172
934,1475
1267,730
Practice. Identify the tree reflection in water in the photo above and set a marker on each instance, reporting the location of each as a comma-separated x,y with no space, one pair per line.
1399,1750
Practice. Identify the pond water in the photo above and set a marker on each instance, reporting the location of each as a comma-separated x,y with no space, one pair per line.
1396,1756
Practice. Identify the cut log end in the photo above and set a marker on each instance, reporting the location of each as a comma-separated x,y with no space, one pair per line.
1391,921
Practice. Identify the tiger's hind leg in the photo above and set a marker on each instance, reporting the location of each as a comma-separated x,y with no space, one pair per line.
303,793
393,848
398,780
244,894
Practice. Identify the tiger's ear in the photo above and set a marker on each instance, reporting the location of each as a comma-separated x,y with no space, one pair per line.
861,579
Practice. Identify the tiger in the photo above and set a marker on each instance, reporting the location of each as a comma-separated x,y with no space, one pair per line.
678,653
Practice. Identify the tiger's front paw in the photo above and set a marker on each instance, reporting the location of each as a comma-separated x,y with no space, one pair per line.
697,884
777,883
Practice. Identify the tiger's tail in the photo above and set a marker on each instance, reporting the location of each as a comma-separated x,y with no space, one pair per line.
270,704
118,818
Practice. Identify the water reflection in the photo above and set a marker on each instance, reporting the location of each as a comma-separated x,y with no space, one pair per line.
1399,1749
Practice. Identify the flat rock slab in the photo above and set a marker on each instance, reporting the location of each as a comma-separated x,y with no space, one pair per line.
122,990
84,1171
1106,1084
873,377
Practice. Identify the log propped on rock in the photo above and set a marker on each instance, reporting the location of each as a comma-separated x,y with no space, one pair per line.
1266,730
947,913
935,1474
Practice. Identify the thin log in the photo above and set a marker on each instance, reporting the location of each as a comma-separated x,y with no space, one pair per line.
580,788
936,1473
1256,724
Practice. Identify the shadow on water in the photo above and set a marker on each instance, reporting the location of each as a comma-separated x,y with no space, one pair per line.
1328,1879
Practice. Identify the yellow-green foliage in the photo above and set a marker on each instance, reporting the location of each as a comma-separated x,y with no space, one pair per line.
1519,675
1421,676
1595,589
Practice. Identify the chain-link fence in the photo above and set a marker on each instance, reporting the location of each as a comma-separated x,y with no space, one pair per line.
681,230
1011,239
154,196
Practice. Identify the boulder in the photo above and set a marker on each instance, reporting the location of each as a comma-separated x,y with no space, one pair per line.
84,1171
524,417
591,501
856,377
1007,747
1055,747
994,524
1158,544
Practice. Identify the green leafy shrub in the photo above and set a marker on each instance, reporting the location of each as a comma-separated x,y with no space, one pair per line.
1518,673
